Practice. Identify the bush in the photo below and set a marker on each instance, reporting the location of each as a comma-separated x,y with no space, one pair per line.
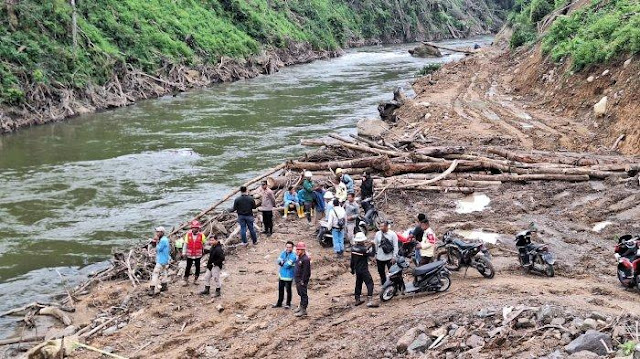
539,9
429,69
522,34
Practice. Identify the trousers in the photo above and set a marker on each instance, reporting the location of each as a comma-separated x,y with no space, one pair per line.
160,275
267,220
382,269
190,262
213,275
282,285
368,281
304,297
247,221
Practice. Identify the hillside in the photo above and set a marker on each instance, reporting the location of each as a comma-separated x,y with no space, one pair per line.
122,51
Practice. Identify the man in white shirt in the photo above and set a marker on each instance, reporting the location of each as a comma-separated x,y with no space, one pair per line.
337,221
386,243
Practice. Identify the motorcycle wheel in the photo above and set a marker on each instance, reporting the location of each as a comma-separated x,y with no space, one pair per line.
625,282
549,271
452,257
487,268
445,283
388,293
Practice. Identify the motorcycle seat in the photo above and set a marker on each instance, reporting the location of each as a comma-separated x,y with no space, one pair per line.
464,245
428,268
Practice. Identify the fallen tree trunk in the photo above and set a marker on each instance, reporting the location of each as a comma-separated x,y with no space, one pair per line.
357,147
441,151
369,142
283,181
503,177
374,161
37,338
449,48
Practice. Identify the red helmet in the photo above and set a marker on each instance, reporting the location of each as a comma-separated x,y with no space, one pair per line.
195,224
301,245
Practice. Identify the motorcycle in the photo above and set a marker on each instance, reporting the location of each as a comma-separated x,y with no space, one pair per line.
368,221
432,277
534,257
627,253
324,236
457,253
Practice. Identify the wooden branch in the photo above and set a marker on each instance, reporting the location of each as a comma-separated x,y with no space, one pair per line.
37,338
350,145
441,151
354,163
369,142
449,48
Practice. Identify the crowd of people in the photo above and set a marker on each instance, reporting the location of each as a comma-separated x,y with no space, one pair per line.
337,212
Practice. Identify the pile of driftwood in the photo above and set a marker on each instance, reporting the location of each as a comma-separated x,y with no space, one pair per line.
463,169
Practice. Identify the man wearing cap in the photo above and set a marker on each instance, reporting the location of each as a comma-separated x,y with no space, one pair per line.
244,205
386,243
302,275
346,179
267,205
360,255
193,250
428,243
306,195
214,266
160,271
352,209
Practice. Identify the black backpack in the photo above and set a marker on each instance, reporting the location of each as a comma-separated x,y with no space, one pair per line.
341,221
386,245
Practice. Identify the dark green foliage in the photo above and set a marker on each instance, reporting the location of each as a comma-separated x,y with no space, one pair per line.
429,69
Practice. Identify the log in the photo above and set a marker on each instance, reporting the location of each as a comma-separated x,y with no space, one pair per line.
504,177
397,183
283,181
373,162
617,142
22,309
318,142
369,142
37,338
529,158
449,48
361,148
440,151
56,313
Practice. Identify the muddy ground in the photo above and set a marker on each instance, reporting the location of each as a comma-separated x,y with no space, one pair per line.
467,103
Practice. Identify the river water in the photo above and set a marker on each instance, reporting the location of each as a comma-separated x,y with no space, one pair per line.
71,191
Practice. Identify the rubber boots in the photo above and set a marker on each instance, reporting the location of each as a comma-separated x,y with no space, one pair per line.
217,292
371,303
205,291
163,287
359,301
286,211
302,312
300,212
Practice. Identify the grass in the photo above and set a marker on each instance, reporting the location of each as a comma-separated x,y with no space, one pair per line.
36,45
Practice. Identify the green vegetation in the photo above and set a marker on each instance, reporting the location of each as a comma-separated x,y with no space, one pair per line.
36,45
628,347
429,69
597,33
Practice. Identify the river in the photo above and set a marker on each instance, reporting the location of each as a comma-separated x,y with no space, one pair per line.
71,191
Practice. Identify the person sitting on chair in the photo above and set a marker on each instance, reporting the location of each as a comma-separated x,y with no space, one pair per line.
291,202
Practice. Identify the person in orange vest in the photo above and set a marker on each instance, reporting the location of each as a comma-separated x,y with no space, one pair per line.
193,249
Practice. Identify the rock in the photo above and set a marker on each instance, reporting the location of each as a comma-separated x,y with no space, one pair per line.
372,128
555,355
420,344
590,78
485,313
605,72
475,341
219,308
406,339
108,349
618,331
425,50
439,332
546,313
495,332
461,332
636,353
597,316
583,355
558,321
525,323
626,63
600,109
590,341
588,323
110,330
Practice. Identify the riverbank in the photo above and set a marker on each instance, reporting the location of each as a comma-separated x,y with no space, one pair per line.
466,105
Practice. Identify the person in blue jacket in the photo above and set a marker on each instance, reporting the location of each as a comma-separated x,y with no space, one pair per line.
346,179
161,270
287,263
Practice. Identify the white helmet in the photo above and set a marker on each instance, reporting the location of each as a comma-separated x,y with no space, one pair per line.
360,237
160,229
328,195
308,174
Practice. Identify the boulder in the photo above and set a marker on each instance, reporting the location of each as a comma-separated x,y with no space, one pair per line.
475,341
590,78
590,341
583,355
600,109
372,128
598,316
406,340
636,353
546,313
525,323
425,50
439,332
420,344
558,321
587,324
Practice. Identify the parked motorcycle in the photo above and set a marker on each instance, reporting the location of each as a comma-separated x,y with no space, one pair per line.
433,277
457,253
370,220
627,253
323,234
534,257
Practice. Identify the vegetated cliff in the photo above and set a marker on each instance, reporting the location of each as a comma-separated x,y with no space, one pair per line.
572,55
119,51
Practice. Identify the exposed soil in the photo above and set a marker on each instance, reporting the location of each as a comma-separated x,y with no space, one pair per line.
473,102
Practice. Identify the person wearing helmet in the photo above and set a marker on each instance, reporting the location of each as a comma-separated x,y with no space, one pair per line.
346,179
302,275
306,195
193,250
328,204
244,205
161,270
360,254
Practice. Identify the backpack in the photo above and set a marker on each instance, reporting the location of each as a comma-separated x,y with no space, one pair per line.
386,245
341,221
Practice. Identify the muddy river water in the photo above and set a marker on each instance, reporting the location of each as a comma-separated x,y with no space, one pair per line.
70,192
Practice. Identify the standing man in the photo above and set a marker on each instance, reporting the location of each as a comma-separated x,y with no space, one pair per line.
416,235
337,221
386,243
244,205
366,188
287,263
306,195
360,254
214,266
268,203
352,209
302,276
193,250
428,243
160,271
346,179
